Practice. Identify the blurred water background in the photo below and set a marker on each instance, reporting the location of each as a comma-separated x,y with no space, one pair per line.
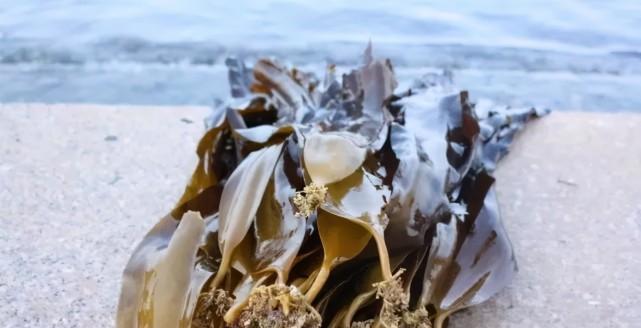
563,54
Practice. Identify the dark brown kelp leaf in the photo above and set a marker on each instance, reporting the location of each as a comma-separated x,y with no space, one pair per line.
363,289
206,202
499,125
448,133
251,113
365,91
471,257
344,286
417,198
286,93
214,164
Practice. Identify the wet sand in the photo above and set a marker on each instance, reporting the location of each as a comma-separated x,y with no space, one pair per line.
81,184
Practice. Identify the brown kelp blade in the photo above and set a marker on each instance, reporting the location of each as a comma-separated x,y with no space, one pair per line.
160,277
292,99
216,162
499,125
418,198
278,232
333,231
240,200
365,90
471,256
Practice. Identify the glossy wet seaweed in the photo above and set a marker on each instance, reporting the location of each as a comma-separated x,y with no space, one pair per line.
400,228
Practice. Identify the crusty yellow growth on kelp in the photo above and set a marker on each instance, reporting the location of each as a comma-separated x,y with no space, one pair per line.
308,200
363,324
395,312
211,307
277,306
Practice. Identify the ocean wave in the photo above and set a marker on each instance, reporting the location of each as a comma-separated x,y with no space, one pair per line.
140,51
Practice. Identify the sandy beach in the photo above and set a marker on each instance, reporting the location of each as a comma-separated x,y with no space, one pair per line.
81,184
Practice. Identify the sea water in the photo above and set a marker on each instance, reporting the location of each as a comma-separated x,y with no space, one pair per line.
564,54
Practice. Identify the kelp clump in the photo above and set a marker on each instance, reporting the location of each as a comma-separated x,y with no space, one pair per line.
330,204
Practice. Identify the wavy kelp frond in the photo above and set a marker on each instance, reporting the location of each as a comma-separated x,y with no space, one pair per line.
499,125
161,275
240,201
334,204
277,233
217,160
418,198
365,90
285,91
471,257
